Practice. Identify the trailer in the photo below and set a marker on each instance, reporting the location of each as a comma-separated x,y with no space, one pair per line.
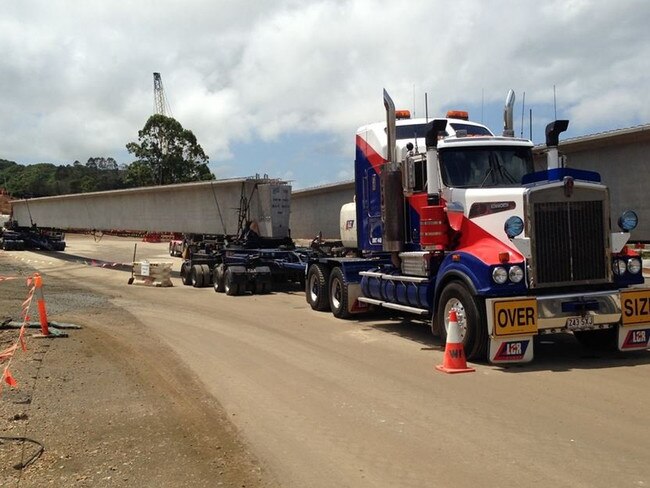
448,216
233,234
235,270
18,238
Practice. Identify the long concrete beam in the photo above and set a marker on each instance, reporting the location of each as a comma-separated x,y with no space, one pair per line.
209,207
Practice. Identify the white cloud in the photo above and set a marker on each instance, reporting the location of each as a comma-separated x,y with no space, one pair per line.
77,76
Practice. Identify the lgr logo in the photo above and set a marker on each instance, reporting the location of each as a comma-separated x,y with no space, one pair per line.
636,339
512,351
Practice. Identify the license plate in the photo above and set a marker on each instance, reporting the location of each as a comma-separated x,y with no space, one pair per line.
580,322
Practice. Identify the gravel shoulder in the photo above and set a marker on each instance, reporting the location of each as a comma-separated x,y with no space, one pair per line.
111,404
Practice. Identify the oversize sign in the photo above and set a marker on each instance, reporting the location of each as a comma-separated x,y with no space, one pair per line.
515,317
635,307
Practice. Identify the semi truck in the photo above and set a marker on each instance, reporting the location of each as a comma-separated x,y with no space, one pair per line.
449,216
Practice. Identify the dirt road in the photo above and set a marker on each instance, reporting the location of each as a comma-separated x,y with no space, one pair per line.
111,404
322,402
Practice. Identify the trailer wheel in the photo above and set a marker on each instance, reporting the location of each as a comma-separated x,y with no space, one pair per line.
186,277
602,340
262,288
473,329
338,294
218,279
316,288
207,275
196,275
230,287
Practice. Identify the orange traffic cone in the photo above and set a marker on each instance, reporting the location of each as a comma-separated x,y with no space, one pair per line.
454,360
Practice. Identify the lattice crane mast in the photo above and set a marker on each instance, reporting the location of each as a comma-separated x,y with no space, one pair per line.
160,103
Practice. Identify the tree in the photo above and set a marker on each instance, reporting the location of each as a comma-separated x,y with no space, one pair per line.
167,153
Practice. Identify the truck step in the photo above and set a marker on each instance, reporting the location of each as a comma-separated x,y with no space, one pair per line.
394,306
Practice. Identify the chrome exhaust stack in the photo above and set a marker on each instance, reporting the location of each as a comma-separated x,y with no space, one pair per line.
508,125
390,129
392,190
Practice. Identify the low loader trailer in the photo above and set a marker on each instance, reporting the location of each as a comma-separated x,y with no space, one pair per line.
237,270
448,216
232,234
260,254
17,238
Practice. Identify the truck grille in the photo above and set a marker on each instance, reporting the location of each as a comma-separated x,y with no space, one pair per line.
570,242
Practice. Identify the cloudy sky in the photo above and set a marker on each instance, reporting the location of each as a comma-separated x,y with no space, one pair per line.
279,87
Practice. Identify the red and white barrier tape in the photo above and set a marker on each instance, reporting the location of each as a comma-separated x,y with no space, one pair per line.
9,353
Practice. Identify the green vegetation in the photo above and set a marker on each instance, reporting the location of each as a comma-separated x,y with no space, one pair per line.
166,154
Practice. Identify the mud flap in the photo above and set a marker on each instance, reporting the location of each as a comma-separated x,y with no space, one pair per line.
512,324
511,349
634,331
354,305
633,338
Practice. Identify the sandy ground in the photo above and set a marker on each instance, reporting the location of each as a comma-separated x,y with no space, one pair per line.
112,406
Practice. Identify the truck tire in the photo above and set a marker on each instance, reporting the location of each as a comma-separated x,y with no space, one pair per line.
218,279
230,287
186,277
196,275
207,275
602,340
472,324
338,294
316,288
261,287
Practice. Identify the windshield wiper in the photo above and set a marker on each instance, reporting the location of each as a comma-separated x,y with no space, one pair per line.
489,172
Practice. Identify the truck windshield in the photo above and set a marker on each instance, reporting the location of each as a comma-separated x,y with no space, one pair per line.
485,166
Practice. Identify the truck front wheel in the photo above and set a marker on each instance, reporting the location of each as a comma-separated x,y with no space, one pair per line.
471,321
338,296
316,288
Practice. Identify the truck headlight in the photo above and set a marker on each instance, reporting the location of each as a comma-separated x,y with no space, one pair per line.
499,275
634,265
628,221
513,226
516,274
619,266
